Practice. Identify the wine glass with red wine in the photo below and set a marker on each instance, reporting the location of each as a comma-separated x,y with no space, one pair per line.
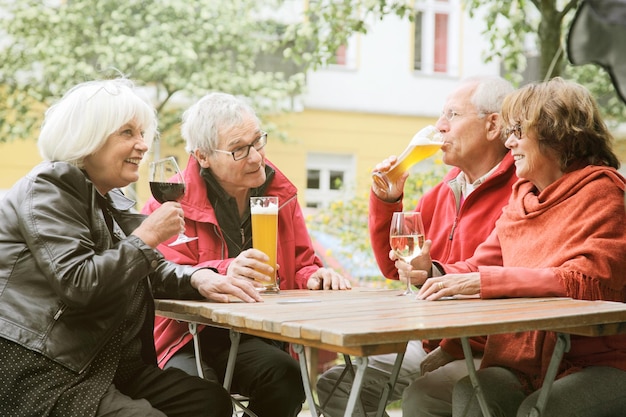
167,184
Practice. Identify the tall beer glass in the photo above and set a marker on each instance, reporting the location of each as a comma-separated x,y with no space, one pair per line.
264,212
423,145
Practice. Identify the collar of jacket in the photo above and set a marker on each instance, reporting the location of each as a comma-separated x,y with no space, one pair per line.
198,207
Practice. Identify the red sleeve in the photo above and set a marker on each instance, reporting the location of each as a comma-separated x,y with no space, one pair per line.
501,282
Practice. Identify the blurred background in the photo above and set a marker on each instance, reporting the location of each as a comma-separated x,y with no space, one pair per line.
339,84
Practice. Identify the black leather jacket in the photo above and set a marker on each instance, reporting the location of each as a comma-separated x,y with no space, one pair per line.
64,284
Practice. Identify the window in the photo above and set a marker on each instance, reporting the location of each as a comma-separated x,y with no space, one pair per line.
345,56
329,177
340,56
435,31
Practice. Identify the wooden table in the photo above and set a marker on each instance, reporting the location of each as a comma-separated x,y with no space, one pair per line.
364,322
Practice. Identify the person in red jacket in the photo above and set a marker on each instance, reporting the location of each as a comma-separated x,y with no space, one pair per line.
561,235
458,214
227,166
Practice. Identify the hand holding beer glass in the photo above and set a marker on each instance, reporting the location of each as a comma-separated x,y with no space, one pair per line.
264,213
423,145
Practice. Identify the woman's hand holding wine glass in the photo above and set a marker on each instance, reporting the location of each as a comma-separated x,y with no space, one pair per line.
168,184
163,223
406,237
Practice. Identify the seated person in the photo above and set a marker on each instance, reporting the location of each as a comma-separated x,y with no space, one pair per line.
562,234
458,213
228,166
80,270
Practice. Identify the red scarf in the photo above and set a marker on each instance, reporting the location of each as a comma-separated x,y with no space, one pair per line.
576,227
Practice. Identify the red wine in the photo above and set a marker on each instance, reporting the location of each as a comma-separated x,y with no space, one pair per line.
167,191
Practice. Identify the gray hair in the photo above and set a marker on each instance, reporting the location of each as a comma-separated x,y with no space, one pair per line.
489,93
80,123
214,112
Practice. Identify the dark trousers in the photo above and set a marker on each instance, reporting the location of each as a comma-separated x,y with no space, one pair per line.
158,393
264,372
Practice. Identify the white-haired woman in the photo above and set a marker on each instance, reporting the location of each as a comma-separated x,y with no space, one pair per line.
78,269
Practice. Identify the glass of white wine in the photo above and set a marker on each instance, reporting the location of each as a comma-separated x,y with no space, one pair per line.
406,237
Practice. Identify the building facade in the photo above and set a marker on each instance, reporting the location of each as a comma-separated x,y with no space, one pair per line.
382,88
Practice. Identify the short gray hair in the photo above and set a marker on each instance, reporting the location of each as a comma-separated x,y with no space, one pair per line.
489,93
203,121
80,123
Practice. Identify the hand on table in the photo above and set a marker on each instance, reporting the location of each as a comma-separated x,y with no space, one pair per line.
328,279
435,359
397,188
450,285
217,287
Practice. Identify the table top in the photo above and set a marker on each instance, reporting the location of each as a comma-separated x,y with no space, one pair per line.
366,321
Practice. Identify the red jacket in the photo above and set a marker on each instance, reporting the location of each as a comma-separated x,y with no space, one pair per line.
295,256
455,233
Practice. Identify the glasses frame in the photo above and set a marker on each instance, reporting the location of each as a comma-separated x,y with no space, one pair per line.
449,115
516,130
258,144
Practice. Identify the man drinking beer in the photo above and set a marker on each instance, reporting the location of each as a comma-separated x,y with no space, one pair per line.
458,214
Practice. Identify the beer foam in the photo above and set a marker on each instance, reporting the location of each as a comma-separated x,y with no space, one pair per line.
427,136
271,208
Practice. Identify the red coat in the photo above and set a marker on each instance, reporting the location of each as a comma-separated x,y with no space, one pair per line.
455,235
295,255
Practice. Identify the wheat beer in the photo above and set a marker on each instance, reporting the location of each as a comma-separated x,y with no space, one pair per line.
424,144
264,213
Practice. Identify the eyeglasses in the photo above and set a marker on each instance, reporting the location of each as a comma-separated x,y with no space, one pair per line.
243,151
451,114
516,130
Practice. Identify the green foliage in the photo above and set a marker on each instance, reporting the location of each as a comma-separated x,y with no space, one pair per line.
180,49
514,24
184,49
598,81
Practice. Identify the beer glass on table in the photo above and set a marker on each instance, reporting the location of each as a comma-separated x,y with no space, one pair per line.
264,213
167,184
406,237
423,145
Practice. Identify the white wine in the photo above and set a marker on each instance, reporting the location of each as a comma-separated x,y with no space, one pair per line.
407,247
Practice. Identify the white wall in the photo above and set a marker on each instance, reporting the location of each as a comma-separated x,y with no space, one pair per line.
383,80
